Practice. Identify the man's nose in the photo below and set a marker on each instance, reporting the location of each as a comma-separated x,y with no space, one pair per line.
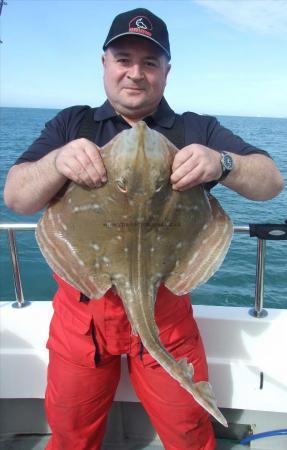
136,72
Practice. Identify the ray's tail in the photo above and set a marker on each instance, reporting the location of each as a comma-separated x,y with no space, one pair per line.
182,371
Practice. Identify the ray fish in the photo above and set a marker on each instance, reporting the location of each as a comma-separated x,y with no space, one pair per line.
134,233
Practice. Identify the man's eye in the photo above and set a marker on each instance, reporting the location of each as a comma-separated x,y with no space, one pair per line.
151,63
123,61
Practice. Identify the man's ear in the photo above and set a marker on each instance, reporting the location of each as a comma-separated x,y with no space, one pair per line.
168,67
104,59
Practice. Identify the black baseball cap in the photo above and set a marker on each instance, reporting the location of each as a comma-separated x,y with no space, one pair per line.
139,22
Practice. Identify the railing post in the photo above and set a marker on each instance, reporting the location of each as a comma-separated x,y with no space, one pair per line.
258,310
16,272
263,232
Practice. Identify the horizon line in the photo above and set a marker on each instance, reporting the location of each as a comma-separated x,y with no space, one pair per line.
200,113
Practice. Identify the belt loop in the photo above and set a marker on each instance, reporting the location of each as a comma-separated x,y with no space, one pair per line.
84,298
141,351
97,356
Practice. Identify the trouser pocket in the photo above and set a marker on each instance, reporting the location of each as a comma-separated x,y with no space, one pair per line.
71,335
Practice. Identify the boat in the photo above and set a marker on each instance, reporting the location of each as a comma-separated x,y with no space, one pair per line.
246,356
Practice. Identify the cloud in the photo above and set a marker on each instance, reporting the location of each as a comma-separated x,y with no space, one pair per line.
261,16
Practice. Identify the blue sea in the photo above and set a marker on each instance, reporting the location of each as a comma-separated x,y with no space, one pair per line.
233,284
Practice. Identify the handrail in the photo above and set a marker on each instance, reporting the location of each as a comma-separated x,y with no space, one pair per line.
257,311
10,228
18,226
16,270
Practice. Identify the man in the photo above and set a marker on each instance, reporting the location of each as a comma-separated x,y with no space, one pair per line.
87,337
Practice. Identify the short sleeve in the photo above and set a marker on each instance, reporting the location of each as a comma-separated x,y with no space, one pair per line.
58,131
222,139
207,131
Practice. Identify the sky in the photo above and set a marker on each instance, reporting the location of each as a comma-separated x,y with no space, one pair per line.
229,57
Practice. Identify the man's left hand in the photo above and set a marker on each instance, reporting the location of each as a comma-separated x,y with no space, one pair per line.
195,164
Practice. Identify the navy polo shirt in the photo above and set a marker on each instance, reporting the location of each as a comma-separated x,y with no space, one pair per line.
64,127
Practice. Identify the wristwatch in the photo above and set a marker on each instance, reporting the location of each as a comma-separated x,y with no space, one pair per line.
227,165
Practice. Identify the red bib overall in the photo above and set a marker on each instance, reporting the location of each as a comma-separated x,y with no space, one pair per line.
86,340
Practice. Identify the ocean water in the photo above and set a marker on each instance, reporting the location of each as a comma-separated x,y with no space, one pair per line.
233,284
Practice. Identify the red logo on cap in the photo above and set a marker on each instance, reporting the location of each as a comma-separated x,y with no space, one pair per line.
140,24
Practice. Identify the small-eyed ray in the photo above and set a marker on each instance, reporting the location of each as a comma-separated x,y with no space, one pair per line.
133,234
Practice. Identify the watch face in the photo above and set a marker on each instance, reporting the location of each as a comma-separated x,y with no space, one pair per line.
228,162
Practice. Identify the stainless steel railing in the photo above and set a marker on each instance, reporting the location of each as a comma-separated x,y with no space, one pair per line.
11,228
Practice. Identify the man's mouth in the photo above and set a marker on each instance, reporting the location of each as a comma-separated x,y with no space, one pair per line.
136,89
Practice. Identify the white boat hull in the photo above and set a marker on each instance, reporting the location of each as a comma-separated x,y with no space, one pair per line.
247,362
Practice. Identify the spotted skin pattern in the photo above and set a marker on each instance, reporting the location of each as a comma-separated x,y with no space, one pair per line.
133,234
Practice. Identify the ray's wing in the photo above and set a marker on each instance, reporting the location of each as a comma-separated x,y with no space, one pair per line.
207,233
77,234
63,252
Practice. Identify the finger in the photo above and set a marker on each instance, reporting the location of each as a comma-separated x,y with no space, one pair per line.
95,159
73,162
181,157
87,172
186,167
74,169
191,179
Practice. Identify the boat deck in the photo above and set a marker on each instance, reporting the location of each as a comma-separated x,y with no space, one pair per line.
38,442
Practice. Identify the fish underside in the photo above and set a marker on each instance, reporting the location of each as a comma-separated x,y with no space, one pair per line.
133,234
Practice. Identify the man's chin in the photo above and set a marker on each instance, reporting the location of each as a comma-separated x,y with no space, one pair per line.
132,106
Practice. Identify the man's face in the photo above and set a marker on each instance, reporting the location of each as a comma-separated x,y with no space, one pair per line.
135,72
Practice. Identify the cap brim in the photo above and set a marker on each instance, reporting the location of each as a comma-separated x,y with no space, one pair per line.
138,35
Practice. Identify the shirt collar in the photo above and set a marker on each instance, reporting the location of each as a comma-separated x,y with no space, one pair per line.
164,115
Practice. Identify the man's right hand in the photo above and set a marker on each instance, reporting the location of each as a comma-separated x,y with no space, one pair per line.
31,185
80,161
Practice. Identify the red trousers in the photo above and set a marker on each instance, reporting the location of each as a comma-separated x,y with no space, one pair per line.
86,341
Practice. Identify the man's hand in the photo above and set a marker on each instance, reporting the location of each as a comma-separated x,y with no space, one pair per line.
254,176
31,185
193,165
81,162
